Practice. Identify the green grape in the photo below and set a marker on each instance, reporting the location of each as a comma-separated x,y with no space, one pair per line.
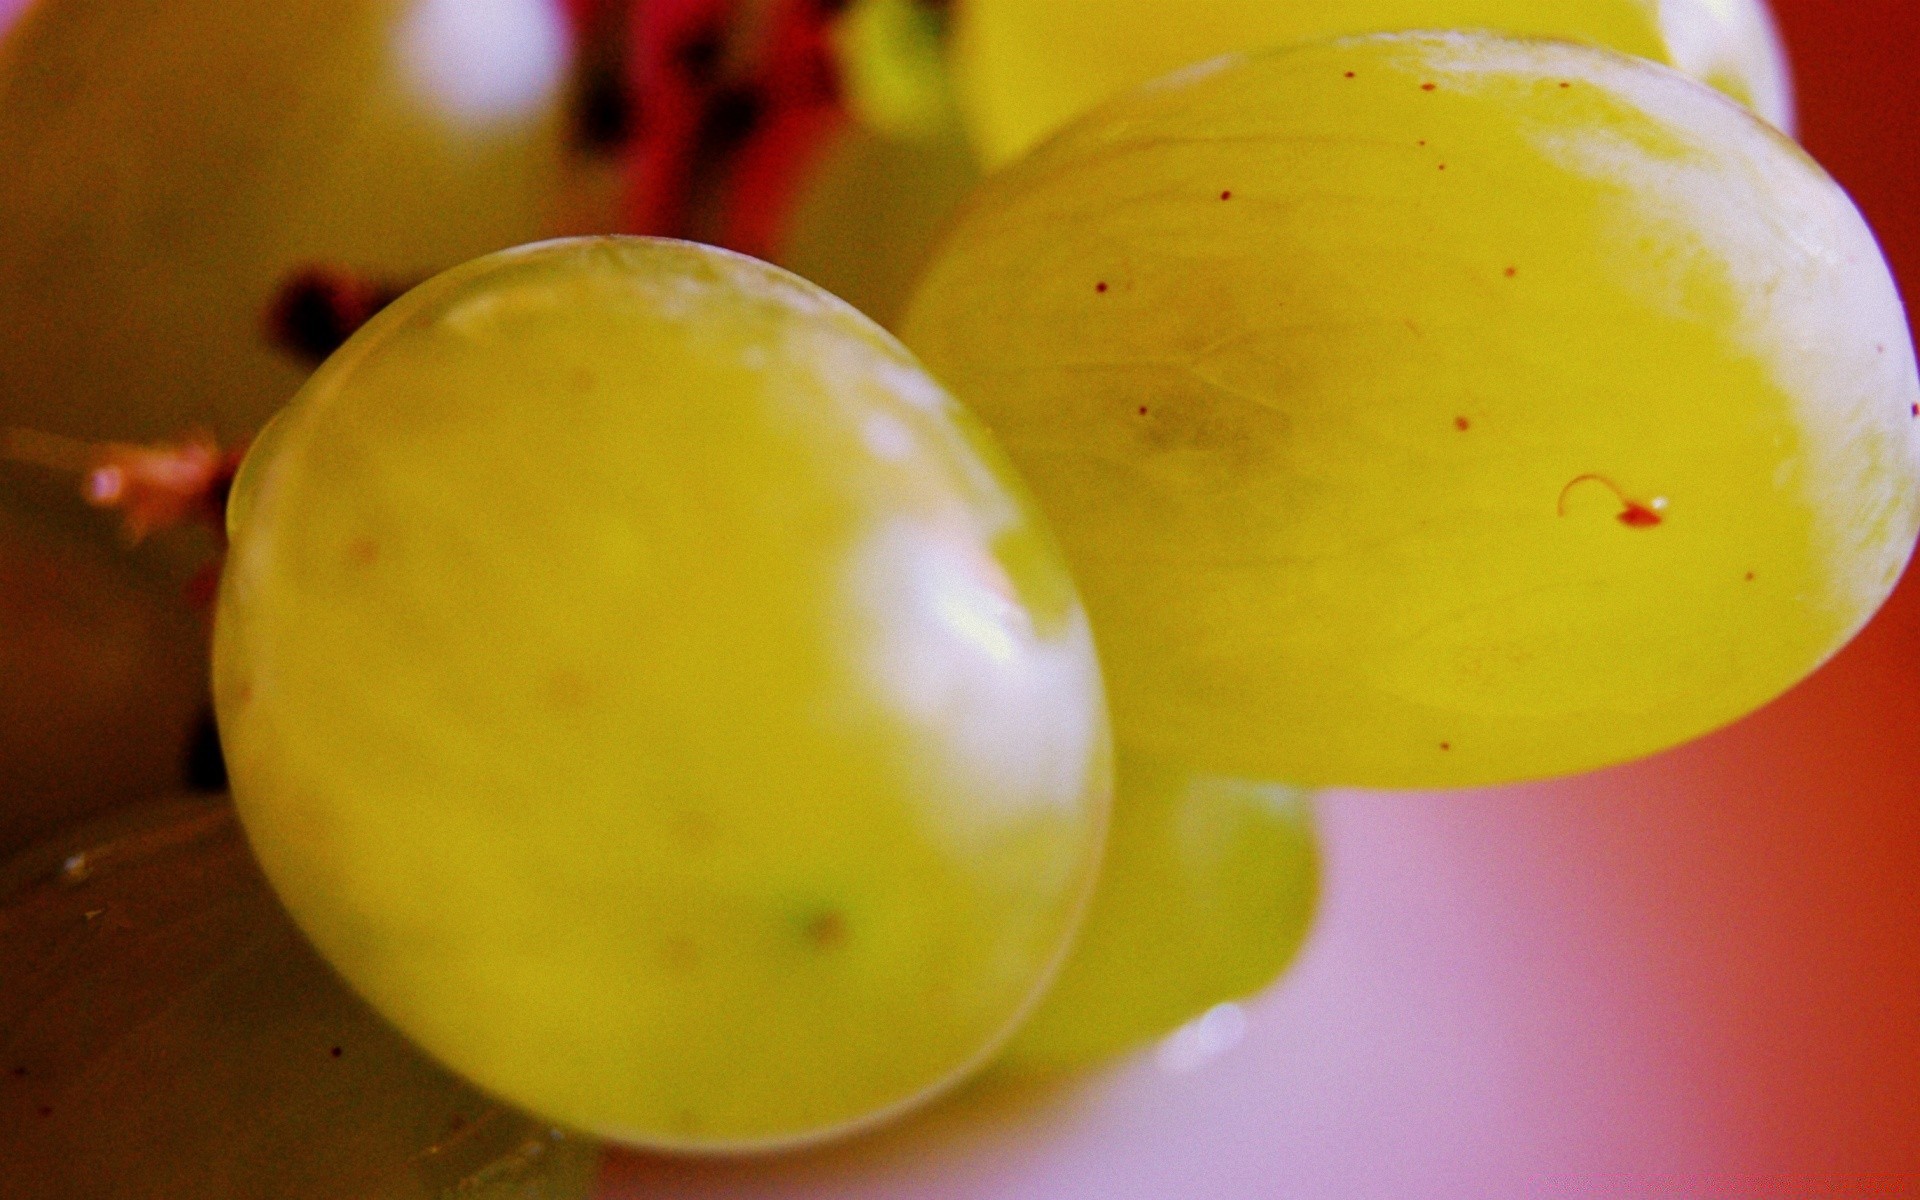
101,683
867,218
1206,893
657,697
166,1032
1016,85
173,162
1440,409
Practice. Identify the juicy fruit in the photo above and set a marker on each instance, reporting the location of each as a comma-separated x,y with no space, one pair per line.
166,1031
173,164
1016,86
1433,410
1207,891
657,697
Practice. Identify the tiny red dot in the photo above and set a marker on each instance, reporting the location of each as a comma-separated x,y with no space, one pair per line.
1512,271
1427,87
335,1052
1565,84
1462,424
1226,195
46,1111
1446,745
1749,576
1099,287
1349,74
1143,410
1443,166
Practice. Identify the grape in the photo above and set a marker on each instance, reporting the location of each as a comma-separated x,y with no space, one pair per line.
1434,410
658,698
102,683
1017,86
173,164
1206,893
166,1032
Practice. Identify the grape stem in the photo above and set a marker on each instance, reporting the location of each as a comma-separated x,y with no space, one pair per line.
153,487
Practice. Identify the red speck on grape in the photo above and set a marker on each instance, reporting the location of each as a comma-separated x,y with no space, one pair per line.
1443,166
46,1110
1422,143
1349,74
1565,84
1749,576
1226,195
1143,410
336,1052
1510,272
1427,87
19,1072
1446,745
1462,424
1100,287
1633,514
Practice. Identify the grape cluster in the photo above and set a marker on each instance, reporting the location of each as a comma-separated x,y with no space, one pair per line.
707,722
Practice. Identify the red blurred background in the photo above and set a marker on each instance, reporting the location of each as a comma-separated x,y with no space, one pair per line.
1698,976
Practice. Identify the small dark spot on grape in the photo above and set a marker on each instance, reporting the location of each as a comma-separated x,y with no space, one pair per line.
1565,84
46,1110
1749,576
1226,195
1349,74
1143,410
1100,287
1427,87
1443,166
336,1051
206,766
827,929
363,552
1422,143
1446,745
1462,424
1510,272
679,954
19,1072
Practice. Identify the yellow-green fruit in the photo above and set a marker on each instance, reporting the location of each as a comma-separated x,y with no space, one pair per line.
657,696
1430,410
170,163
165,1031
1207,891
1027,67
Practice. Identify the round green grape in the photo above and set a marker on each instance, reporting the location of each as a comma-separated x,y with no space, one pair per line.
166,1031
1016,86
1206,894
659,699
172,164
1443,409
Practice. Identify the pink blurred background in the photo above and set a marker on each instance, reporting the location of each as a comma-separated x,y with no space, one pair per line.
1698,976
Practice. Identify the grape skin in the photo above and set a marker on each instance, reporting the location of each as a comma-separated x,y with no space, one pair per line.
657,697
1208,890
1016,86
1355,379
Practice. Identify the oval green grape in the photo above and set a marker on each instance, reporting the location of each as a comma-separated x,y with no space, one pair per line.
1016,86
659,698
1207,892
1430,410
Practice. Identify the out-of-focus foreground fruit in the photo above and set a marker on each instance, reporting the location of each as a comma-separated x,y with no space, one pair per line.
166,1032
658,698
1431,410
